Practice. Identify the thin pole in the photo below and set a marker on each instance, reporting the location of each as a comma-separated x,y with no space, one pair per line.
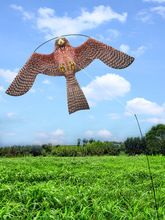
149,168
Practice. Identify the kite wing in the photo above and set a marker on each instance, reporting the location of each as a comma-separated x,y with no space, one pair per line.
93,49
37,63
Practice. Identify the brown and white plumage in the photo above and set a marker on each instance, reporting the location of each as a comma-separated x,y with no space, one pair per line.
66,61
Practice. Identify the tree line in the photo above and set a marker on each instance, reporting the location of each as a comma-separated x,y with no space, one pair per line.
94,148
152,144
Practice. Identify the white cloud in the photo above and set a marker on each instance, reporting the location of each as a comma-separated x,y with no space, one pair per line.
55,142
113,33
104,134
26,15
154,120
51,141
1,99
10,134
2,89
58,132
143,106
124,48
159,10
54,137
41,134
11,115
17,7
8,75
109,36
38,142
14,116
114,116
145,16
106,87
46,81
52,25
92,103
157,1
50,97
89,133
91,116
139,51
101,14
32,90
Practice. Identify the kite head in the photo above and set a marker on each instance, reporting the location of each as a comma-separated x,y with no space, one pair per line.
61,42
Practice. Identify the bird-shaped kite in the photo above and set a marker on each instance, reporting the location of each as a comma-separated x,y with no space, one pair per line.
66,61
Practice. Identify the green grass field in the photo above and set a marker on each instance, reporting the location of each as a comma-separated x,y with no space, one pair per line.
107,187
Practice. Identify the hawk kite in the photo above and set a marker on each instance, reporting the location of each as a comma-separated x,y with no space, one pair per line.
66,61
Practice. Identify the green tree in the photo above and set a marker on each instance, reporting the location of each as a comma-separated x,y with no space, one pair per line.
78,142
46,149
135,146
85,141
36,150
5,152
25,150
155,139
91,140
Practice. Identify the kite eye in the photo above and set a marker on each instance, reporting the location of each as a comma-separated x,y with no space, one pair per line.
60,41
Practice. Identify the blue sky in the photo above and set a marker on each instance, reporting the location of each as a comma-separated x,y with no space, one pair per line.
41,115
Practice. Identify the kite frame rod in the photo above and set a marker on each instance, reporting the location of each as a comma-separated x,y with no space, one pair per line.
65,35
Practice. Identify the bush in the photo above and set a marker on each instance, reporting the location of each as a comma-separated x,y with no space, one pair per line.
65,151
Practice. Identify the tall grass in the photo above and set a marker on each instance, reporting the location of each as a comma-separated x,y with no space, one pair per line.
109,187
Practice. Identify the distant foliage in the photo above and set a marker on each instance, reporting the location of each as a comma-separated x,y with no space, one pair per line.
104,148
152,144
91,140
93,148
78,141
135,146
155,139
85,141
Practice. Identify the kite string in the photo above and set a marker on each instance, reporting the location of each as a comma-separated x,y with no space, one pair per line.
99,84
121,103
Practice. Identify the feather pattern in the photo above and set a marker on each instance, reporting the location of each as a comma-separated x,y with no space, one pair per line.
75,96
37,63
93,49
66,61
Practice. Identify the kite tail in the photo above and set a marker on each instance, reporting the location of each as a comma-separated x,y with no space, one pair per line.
75,96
